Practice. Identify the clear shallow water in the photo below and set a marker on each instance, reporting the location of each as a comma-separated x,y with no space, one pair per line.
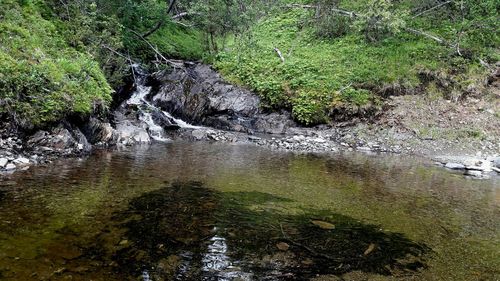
198,211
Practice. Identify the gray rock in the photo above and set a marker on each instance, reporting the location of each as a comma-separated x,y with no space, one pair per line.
474,173
10,167
97,131
21,161
199,134
198,95
496,162
129,134
3,162
455,166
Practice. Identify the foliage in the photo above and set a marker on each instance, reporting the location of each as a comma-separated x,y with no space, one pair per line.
378,20
42,78
329,67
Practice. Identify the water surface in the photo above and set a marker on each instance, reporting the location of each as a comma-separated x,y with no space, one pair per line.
199,211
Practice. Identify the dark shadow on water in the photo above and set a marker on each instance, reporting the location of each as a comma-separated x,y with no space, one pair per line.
189,232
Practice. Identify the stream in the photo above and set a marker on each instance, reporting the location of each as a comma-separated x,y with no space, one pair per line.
213,211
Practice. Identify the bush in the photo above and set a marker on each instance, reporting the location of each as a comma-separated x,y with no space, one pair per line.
42,79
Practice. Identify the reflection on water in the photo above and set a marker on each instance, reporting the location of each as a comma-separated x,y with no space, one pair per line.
185,211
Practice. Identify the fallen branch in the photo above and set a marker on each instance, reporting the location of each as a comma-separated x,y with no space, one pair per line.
158,54
279,54
184,14
427,35
431,9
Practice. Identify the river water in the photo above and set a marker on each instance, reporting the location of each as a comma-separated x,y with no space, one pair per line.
200,211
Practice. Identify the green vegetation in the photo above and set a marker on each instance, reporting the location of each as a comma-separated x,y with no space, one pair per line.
42,78
60,58
64,58
336,63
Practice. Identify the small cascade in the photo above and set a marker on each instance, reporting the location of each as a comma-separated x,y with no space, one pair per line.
147,110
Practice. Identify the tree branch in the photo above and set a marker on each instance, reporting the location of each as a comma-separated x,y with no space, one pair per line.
161,21
431,9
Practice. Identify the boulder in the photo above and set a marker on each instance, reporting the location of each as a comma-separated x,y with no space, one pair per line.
197,94
128,134
98,132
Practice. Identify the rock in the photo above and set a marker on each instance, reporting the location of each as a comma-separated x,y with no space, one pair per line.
199,134
299,138
323,224
129,134
197,94
254,138
164,121
496,162
3,162
21,161
97,131
319,140
282,246
454,166
10,167
474,173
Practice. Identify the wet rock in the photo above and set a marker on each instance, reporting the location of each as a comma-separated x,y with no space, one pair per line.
197,94
282,246
129,134
164,121
98,132
3,162
454,166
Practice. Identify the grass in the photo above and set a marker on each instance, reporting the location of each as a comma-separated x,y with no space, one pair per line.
42,79
321,75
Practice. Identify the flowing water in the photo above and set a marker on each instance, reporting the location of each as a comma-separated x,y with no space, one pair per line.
200,211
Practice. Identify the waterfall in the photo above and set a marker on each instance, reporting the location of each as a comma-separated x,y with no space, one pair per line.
145,109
